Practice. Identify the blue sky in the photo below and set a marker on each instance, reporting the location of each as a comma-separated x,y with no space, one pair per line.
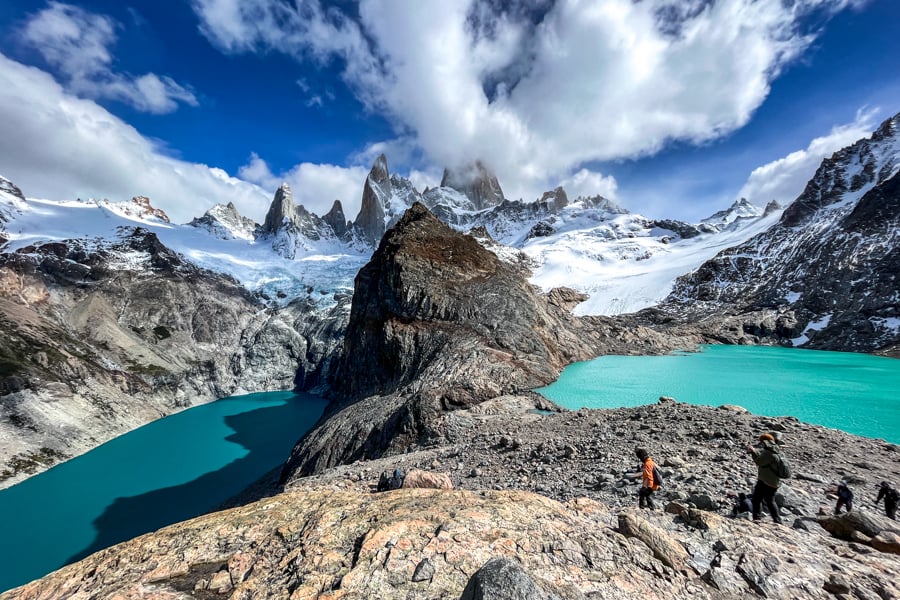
672,108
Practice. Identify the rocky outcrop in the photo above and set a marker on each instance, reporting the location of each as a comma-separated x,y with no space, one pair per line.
477,182
143,209
101,338
829,265
439,323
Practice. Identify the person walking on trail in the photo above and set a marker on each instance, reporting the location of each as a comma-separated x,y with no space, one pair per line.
844,497
650,479
771,468
891,498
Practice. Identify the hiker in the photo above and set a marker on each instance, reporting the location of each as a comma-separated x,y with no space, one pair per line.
650,479
742,505
771,467
390,482
891,497
844,497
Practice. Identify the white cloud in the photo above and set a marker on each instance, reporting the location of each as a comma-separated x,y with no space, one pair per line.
315,186
537,90
784,179
587,183
54,145
76,42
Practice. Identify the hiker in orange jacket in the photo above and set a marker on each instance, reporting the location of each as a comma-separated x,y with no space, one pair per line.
649,484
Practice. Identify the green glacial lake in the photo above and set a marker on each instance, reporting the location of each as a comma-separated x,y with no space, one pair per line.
167,471
857,393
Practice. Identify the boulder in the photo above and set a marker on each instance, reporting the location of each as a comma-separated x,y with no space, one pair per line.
666,549
845,525
887,541
418,478
504,579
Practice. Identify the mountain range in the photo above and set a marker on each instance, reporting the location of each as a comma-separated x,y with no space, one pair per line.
114,316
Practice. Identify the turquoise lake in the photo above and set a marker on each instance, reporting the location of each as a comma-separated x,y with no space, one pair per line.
167,471
857,393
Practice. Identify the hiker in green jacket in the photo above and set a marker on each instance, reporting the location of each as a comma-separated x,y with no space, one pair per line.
766,456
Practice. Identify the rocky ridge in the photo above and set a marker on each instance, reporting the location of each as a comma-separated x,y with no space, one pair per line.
829,265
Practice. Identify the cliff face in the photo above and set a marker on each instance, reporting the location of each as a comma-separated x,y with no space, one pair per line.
439,323
829,266
104,337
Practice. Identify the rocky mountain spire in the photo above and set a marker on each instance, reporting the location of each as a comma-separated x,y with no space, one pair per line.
476,182
336,219
370,220
282,207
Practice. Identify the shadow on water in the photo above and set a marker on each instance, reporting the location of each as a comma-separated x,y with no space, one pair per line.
132,516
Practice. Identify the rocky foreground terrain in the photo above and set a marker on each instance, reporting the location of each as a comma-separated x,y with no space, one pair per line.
547,492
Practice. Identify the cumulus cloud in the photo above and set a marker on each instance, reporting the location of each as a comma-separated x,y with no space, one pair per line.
76,43
538,90
784,179
55,145
587,183
315,186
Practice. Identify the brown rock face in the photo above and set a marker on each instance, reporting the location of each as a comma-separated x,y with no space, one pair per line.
429,289
440,323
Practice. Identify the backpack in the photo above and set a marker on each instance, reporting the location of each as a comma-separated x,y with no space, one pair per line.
657,476
782,466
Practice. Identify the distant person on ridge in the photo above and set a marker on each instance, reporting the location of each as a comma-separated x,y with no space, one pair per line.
771,467
650,479
844,497
891,497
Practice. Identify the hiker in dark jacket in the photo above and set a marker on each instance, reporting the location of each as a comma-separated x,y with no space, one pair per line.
891,498
765,456
844,497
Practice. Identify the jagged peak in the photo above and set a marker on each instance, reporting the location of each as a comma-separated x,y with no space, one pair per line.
336,207
557,197
888,128
379,172
739,208
476,181
282,208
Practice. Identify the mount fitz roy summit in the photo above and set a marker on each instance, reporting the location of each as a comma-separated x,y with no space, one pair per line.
113,317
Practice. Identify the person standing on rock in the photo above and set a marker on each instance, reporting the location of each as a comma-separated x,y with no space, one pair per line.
768,459
649,479
891,498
